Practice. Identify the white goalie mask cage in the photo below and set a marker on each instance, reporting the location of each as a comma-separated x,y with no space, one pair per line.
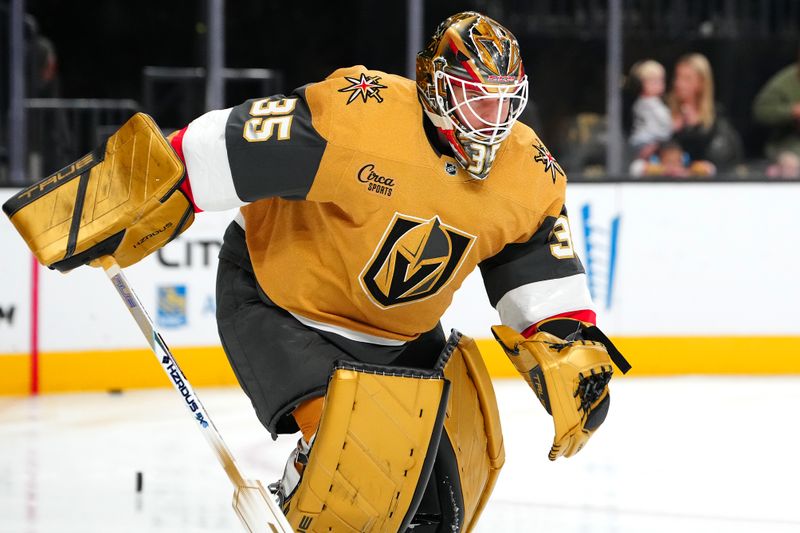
473,88
482,113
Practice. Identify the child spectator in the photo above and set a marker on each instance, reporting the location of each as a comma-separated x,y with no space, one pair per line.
671,161
652,122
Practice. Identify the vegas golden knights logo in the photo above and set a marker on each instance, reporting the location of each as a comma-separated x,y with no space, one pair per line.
415,259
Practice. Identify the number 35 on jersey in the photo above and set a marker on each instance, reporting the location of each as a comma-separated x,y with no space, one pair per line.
269,115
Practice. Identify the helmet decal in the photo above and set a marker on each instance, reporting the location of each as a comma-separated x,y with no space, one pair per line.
495,53
472,86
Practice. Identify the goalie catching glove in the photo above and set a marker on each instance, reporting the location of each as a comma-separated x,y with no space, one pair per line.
121,200
569,371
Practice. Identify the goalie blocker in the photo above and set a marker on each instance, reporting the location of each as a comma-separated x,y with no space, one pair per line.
122,200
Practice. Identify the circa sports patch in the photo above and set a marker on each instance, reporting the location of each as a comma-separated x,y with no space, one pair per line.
414,260
374,181
366,87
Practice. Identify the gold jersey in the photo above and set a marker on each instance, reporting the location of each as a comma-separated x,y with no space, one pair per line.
354,220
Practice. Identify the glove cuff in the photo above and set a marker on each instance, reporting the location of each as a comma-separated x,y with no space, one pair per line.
568,329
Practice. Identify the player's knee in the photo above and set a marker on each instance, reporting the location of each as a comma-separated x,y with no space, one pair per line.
307,415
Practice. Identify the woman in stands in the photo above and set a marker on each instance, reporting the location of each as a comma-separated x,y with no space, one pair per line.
698,125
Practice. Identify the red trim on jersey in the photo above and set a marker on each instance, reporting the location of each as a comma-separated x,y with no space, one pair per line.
584,315
177,144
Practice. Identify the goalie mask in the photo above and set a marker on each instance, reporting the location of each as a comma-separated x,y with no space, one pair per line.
472,86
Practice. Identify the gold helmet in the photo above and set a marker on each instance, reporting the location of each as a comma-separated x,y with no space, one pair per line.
472,86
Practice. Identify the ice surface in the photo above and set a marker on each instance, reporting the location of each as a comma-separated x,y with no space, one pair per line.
675,455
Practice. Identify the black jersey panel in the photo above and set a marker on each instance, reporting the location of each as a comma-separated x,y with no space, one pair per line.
273,148
547,255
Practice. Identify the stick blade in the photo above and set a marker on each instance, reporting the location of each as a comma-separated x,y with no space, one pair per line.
257,510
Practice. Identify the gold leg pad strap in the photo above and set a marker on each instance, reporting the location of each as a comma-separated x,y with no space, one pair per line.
473,426
374,450
120,200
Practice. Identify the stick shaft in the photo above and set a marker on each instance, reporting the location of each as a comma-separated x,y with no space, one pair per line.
255,508
171,368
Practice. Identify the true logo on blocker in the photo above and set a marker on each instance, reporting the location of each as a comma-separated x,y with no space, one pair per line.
414,260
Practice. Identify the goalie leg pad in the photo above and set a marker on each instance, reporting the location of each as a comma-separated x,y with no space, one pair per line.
120,200
374,450
472,426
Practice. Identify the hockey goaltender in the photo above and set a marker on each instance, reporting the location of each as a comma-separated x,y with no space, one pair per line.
365,200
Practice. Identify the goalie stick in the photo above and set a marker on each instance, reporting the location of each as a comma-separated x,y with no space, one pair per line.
255,507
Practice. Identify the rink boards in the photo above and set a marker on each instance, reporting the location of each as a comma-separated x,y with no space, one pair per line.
687,278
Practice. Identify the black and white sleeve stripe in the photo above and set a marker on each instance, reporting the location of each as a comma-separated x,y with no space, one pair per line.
278,166
529,282
207,162
227,170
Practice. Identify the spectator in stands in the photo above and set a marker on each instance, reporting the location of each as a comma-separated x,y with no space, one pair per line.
671,161
45,143
697,121
787,166
777,106
652,121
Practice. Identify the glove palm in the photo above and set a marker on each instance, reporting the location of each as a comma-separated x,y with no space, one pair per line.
570,378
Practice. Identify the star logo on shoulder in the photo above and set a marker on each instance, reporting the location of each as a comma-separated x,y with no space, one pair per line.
366,87
547,159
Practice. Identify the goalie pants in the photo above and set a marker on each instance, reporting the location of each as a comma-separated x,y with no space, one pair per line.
280,362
